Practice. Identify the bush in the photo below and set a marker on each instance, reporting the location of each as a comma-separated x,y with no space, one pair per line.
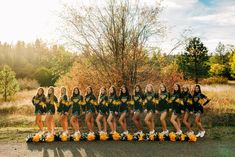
215,80
28,84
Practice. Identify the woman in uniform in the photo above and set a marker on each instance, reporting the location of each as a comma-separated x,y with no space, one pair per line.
39,102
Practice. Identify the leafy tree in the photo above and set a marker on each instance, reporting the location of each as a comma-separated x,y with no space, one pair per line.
220,57
217,69
44,76
193,62
232,64
8,83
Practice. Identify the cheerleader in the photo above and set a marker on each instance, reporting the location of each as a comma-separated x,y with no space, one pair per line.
78,108
39,102
199,100
51,103
90,103
163,107
63,109
176,102
113,109
102,110
137,100
187,108
150,107
123,108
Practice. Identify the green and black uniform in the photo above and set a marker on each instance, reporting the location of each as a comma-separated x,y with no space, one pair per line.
90,103
150,101
124,101
64,105
113,103
103,105
77,105
176,103
187,100
163,102
198,102
137,102
50,104
39,102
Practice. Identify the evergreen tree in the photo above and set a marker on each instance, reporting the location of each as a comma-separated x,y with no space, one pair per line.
193,62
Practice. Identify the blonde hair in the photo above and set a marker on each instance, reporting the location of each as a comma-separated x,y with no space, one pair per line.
146,88
101,93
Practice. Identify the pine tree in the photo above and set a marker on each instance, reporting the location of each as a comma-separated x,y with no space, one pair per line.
193,62
8,83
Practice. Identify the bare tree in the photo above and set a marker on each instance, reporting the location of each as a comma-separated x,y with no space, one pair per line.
114,38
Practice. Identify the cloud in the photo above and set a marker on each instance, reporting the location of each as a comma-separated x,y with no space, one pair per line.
212,22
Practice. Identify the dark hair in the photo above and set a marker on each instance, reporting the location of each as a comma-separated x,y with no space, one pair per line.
194,91
114,91
178,91
160,91
74,91
90,89
140,89
124,94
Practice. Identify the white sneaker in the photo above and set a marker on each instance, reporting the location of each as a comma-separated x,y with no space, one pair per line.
198,134
189,133
179,132
40,132
165,132
91,133
202,134
125,132
152,132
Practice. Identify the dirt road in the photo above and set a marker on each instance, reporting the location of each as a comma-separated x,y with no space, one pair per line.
203,147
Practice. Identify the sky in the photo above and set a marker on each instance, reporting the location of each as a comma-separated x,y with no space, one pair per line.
211,20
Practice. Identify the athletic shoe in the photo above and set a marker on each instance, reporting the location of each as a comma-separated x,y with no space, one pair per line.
179,132
202,133
125,132
198,134
165,132
152,132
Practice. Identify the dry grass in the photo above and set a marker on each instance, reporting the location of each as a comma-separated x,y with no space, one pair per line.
222,97
221,109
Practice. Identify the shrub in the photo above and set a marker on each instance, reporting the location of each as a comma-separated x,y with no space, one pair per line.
215,80
28,84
